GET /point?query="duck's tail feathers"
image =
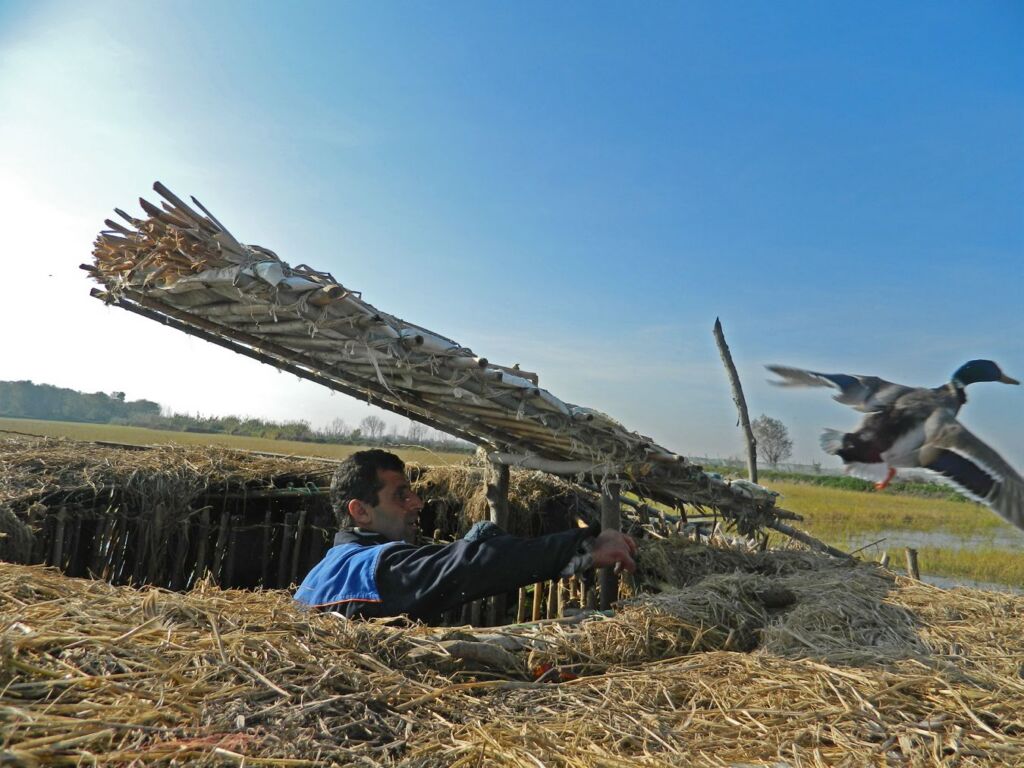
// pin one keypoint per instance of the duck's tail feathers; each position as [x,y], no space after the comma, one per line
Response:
[832,441]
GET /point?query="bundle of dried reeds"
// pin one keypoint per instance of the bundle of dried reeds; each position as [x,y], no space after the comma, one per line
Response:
[840,665]
[181,266]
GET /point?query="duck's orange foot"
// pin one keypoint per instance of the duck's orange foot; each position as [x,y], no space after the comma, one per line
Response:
[888,479]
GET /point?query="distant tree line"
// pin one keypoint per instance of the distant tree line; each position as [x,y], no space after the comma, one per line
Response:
[24,399]
[44,401]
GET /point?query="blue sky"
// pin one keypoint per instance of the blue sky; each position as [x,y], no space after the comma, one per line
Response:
[580,188]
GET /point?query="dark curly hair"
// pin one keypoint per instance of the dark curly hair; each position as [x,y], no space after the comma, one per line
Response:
[357,478]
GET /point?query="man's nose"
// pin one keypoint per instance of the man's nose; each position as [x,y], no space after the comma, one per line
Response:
[416,502]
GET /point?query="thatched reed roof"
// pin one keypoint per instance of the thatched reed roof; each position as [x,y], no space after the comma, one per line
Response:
[779,658]
[182,267]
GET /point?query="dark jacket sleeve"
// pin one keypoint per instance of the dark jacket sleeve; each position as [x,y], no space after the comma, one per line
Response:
[425,581]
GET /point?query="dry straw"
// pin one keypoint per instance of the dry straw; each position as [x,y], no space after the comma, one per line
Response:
[774,658]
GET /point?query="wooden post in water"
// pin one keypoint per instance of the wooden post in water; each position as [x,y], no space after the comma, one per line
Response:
[912,568]
[884,559]
[610,520]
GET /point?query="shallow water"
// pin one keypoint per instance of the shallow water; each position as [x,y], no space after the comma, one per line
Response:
[941,581]
[871,546]
[896,539]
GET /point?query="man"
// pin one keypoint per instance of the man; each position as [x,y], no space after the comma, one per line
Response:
[375,568]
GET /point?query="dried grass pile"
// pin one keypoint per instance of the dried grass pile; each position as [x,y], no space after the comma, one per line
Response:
[843,665]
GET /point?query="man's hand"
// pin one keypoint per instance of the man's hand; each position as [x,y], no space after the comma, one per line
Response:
[612,547]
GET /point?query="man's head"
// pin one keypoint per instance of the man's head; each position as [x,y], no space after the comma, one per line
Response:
[371,491]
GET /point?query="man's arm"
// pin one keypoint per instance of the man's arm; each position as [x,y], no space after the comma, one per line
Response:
[425,581]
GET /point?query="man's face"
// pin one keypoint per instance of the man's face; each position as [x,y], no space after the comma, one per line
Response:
[396,515]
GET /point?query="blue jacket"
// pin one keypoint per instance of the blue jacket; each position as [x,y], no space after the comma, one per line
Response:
[366,575]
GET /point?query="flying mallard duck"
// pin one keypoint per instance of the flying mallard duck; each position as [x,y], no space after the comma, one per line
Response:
[917,427]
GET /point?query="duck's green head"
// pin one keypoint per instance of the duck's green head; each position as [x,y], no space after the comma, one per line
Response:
[974,371]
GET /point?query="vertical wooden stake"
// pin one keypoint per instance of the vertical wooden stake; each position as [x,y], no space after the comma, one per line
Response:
[552,601]
[741,403]
[912,568]
[232,553]
[57,548]
[75,556]
[220,548]
[521,606]
[268,540]
[610,520]
[497,501]
[538,591]
[590,598]
[284,556]
[177,579]
[141,540]
[99,546]
[202,550]
[884,559]
[300,528]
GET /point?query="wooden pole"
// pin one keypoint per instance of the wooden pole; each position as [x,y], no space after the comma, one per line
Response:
[220,548]
[552,601]
[563,595]
[521,607]
[203,547]
[100,545]
[741,403]
[497,503]
[268,539]
[497,494]
[57,550]
[177,579]
[912,568]
[231,559]
[284,555]
[538,601]
[300,530]
[610,521]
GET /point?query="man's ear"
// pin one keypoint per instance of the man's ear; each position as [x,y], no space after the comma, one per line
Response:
[359,512]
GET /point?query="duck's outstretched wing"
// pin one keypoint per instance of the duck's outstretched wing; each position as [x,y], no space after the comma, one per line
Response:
[864,393]
[955,454]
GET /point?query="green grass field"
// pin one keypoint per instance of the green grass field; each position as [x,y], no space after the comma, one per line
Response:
[114,433]
[840,517]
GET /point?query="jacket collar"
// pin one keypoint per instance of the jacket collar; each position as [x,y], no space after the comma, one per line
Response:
[357,536]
